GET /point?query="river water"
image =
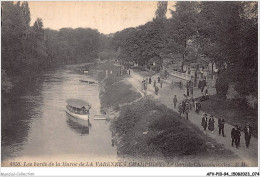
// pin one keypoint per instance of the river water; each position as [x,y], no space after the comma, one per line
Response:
[35,127]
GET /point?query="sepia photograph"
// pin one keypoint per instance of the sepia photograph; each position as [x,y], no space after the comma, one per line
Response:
[130,84]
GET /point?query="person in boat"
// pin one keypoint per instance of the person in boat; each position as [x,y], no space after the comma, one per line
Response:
[83,110]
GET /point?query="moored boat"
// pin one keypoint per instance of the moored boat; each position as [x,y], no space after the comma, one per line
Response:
[78,109]
[89,82]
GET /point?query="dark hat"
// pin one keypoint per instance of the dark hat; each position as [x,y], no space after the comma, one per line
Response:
[211,116]
[205,114]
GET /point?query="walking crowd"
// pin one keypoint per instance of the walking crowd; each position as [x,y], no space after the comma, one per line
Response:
[188,103]
[147,81]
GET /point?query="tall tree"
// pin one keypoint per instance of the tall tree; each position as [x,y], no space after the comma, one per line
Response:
[229,35]
[182,27]
[161,9]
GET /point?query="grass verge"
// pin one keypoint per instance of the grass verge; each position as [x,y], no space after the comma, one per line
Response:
[114,89]
[116,93]
[148,130]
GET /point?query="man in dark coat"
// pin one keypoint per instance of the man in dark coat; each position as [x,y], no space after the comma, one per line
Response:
[180,85]
[248,133]
[199,85]
[183,106]
[187,110]
[204,123]
[187,88]
[239,129]
[237,137]
[203,84]
[198,106]
[221,123]
[155,90]
[233,135]
[175,101]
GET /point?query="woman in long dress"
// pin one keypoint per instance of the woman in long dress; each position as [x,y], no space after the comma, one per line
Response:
[204,123]
[211,124]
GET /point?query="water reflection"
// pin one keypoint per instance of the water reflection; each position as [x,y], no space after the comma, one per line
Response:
[36,124]
[16,122]
[76,126]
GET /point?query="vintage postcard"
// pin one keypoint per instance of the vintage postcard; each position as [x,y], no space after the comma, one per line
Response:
[130,84]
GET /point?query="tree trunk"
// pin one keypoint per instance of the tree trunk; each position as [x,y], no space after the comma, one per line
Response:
[183,56]
[182,63]
[212,69]
[195,75]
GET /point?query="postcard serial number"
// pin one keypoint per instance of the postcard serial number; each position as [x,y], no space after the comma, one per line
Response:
[15,164]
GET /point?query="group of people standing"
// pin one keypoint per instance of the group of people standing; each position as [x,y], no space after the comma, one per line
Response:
[236,134]
[147,81]
[188,103]
[209,123]
[189,88]
[185,106]
[205,122]
[156,88]
[122,72]
[204,89]
[145,84]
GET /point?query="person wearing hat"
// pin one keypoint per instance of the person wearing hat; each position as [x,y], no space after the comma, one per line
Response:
[237,136]
[183,103]
[198,106]
[221,123]
[233,135]
[211,124]
[248,133]
[187,108]
[175,101]
[204,123]
[154,83]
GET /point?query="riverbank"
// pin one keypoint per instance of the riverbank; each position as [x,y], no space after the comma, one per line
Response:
[165,97]
[148,131]
[114,88]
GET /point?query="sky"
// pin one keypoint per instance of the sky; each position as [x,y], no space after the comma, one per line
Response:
[107,17]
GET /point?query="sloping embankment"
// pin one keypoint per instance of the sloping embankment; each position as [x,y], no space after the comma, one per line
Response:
[147,130]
